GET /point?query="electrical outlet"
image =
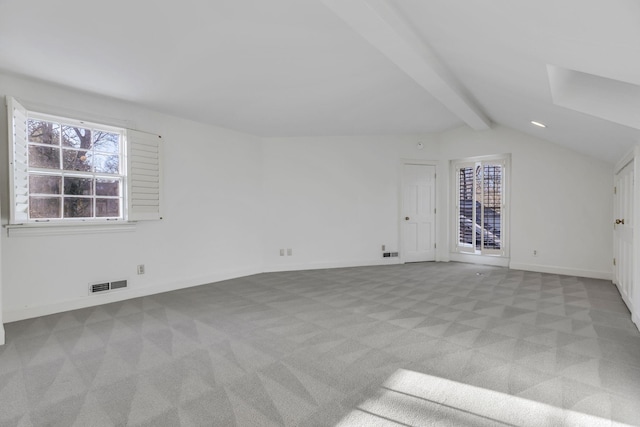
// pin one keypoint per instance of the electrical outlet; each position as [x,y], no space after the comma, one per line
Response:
[140,268]
[535,252]
[384,248]
[281,252]
[289,252]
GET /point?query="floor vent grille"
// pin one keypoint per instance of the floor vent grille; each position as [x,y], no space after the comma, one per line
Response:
[106,286]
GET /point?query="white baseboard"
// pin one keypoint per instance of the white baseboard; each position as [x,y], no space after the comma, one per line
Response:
[625,298]
[13,315]
[635,318]
[120,295]
[593,274]
[334,264]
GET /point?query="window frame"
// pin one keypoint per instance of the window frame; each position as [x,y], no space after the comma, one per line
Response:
[141,165]
[504,160]
[121,176]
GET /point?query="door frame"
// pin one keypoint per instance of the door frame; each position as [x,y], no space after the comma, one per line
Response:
[627,160]
[632,157]
[420,162]
[499,260]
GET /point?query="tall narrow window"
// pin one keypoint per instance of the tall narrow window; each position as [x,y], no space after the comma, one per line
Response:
[480,205]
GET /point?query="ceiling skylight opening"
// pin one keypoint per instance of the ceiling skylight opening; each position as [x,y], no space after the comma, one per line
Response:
[542,125]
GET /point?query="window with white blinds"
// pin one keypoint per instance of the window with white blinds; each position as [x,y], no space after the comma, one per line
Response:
[481,205]
[64,170]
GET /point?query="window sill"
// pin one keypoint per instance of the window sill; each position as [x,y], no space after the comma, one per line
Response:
[28,230]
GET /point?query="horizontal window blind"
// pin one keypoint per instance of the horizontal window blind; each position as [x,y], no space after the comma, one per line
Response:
[144,176]
[18,155]
[466,201]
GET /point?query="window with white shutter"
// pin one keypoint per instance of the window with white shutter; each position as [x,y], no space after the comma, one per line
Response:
[145,179]
[18,168]
[66,171]
[481,208]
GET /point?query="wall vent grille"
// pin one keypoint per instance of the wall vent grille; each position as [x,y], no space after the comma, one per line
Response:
[119,284]
[99,287]
[106,286]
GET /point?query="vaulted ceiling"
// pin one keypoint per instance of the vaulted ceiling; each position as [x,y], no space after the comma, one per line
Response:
[344,67]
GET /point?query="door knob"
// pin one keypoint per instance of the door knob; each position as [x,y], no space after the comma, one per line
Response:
[620,221]
[406,218]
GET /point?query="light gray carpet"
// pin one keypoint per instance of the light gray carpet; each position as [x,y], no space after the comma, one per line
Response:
[416,344]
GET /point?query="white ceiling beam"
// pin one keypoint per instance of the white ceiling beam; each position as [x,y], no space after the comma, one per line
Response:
[382,26]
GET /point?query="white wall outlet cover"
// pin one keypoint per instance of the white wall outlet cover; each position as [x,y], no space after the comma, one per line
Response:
[420,146]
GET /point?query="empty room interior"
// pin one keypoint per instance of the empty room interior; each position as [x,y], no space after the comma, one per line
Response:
[319,213]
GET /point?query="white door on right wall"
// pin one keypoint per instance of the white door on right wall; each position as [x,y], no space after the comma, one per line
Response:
[623,232]
[418,213]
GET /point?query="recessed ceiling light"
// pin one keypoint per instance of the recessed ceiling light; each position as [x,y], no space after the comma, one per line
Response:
[542,125]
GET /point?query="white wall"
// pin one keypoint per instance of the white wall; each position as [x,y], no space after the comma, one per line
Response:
[233,200]
[561,201]
[209,231]
[334,201]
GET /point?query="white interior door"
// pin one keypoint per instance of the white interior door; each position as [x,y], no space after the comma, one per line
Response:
[418,213]
[623,232]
